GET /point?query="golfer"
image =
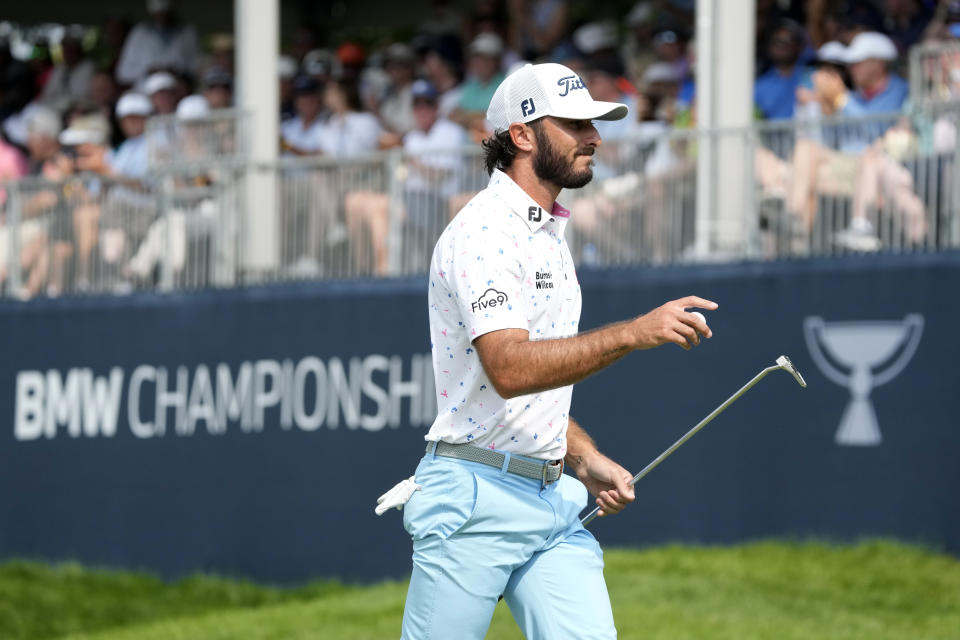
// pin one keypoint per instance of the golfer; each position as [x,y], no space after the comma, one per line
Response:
[493,513]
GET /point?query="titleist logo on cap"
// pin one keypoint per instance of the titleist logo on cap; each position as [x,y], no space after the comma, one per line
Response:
[570,83]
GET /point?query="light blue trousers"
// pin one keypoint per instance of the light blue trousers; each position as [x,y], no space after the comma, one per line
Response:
[479,532]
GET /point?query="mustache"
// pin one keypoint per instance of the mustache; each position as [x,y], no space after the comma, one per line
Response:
[587,151]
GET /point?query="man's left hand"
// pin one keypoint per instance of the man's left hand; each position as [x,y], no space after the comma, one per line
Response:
[607,481]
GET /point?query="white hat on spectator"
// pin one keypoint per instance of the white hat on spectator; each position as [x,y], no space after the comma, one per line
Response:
[660,72]
[133,104]
[595,36]
[318,62]
[43,121]
[870,45]
[400,53]
[193,107]
[159,81]
[640,13]
[486,44]
[549,89]
[286,67]
[91,129]
[15,126]
[833,52]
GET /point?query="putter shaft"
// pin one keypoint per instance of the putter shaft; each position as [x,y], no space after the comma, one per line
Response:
[689,434]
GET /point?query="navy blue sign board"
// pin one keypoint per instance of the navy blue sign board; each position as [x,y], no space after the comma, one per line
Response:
[249,432]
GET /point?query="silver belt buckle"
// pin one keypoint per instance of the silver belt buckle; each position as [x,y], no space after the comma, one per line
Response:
[546,467]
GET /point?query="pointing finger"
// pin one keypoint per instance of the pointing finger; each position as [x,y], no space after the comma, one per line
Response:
[699,303]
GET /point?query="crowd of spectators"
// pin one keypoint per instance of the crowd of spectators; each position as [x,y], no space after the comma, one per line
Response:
[79,103]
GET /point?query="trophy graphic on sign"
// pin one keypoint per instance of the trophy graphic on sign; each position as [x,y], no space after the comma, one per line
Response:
[873,353]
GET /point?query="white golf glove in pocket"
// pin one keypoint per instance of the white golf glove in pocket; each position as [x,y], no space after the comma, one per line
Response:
[398,496]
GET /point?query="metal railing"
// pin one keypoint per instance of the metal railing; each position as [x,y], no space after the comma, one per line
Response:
[880,182]
[813,188]
[934,72]
[640,206]
[175,142]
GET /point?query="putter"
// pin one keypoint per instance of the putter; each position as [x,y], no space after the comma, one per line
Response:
[783,362]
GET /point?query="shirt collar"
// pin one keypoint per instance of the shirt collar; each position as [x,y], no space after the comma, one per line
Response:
[522,204]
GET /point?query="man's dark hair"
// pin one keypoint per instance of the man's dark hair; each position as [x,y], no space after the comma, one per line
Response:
[793,28]
[499,150]
[351,93]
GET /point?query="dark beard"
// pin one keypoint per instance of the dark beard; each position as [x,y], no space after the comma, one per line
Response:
[551,166]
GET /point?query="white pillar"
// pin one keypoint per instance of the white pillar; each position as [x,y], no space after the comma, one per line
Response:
[724,101]
[257,96]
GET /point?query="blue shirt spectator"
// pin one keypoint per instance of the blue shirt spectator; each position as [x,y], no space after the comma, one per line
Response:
[483,78]
[688,91]
[130,158]
[774,92]
[877,90]
[887,100]
[854,139]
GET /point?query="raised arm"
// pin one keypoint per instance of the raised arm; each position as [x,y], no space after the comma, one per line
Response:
[517,365]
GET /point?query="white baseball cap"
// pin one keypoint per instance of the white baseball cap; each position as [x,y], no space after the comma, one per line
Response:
[89,129]
[594,36]
[486,44]
[868,45]
[640,14]
[158,81]
[43,121]
[537,90]
[133,104]
[661,72]
[833,52]
[193,107]
[286,67]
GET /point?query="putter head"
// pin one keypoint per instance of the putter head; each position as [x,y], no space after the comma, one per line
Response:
[784,363]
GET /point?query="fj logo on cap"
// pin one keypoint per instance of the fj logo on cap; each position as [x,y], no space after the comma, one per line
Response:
[527,107]
[570,83]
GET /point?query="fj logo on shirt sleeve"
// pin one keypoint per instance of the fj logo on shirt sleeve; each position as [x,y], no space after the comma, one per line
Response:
[490,298]
[534,214]
[527,107]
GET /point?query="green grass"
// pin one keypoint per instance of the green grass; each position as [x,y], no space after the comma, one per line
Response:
[775,590]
